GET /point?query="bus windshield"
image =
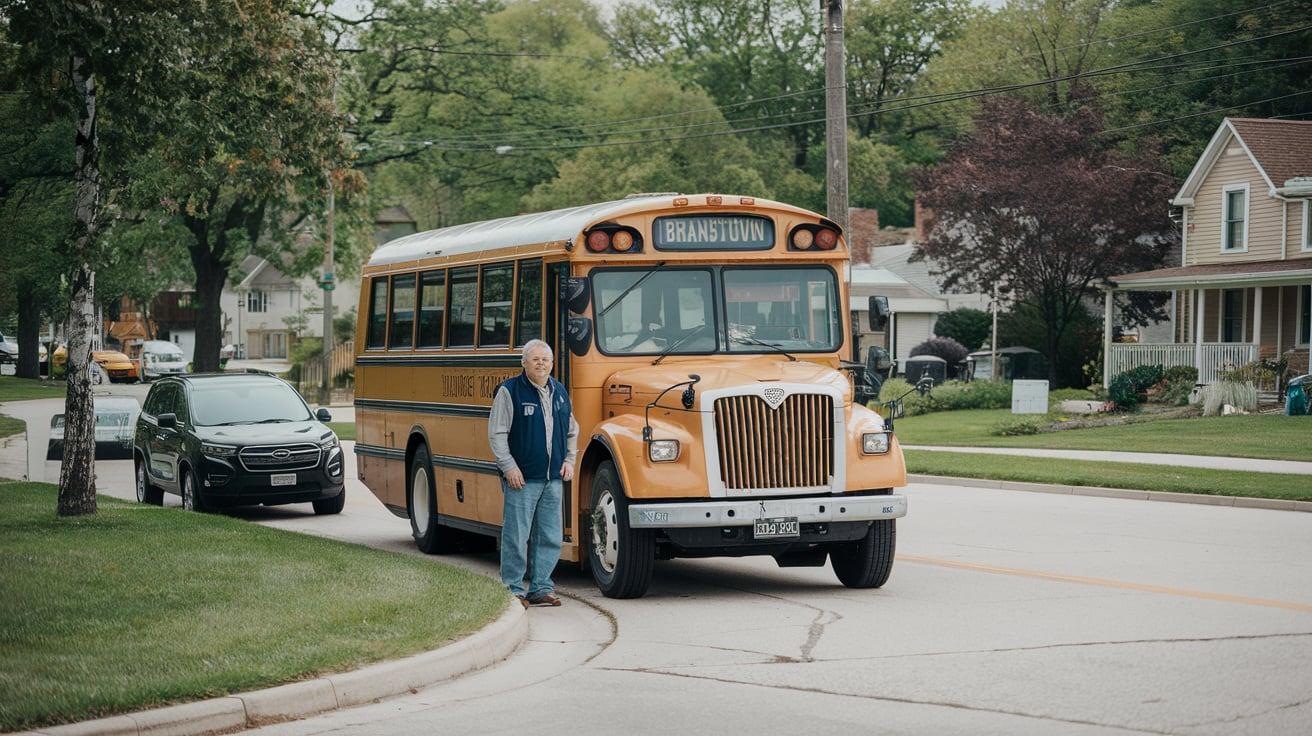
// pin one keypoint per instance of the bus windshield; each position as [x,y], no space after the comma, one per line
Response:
[642,311]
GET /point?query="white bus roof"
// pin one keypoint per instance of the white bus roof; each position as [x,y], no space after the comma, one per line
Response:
[543,227]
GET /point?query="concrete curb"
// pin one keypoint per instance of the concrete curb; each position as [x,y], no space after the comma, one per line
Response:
[482,649]
[1093,491]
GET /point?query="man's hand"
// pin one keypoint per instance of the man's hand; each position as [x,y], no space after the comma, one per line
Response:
[515,478]
[567,472]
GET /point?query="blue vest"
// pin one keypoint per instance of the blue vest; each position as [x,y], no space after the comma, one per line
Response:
[528,436]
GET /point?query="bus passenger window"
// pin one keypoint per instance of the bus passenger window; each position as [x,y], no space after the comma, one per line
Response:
[403,311]
[377,335]
[496,290]
[528,304]
[462,303]
[432,308]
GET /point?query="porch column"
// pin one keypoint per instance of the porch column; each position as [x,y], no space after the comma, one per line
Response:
[1106,337]
[1198,334]
[1257,321]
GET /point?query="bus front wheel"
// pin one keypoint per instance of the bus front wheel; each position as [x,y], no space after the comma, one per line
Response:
[867,562]
[431,537]
[621,558]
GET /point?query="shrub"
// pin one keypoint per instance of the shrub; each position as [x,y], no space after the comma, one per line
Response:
[1125,388]
[954,395]
[1177,373]
[942,347]
[1018,427]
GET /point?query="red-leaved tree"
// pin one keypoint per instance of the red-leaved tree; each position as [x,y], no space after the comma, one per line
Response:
[1045,207]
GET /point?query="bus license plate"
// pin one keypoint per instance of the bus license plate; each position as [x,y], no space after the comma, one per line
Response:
[776,528]
[283,479]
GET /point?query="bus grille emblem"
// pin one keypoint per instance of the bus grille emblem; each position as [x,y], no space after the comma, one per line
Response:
[774,397]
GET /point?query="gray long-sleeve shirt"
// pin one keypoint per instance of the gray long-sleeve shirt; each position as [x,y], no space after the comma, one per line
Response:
[503,415]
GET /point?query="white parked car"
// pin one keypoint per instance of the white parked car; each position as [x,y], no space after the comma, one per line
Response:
[161,358]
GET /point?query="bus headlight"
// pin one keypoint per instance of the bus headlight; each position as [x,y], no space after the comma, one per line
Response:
[874,443]
[663,451]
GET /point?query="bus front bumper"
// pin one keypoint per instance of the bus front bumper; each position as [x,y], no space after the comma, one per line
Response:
[739,512]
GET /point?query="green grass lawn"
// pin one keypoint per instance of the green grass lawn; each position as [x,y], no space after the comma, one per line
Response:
[1269,436]
[140,606]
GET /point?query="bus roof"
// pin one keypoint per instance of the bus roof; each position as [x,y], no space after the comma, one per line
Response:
[542,227]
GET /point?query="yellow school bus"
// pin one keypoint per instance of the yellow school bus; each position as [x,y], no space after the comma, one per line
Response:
[700,338]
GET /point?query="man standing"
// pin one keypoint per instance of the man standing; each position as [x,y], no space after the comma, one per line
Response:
[535,440]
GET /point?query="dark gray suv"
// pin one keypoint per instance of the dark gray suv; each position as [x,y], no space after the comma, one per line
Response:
[235,439]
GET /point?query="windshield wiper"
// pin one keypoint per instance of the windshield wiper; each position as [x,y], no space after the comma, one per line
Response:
[688,335]
[743,339]
[632,286]
[275,420]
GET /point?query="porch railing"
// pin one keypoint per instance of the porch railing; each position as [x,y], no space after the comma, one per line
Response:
[1216,357]
[341,360]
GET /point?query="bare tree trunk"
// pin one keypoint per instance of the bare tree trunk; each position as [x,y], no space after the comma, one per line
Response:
[77,474]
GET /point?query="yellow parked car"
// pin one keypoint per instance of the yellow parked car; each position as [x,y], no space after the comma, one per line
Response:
[117,367]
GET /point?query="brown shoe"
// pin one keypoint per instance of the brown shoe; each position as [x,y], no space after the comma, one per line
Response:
[546,599]
[522,600]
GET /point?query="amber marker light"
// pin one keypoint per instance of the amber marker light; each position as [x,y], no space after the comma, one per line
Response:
[622,240]
[803,238]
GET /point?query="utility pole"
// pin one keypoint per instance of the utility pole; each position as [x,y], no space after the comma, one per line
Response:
[836,113]
[326,382]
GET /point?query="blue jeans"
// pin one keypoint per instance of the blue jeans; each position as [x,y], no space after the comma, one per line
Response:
[530,536]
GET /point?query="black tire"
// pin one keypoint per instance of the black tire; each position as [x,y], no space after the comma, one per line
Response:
[332,505]
[146,493]
[193,499]
[621,558]
[867,562]
[430,537]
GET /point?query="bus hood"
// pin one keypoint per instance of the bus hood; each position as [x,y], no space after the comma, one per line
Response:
[641,385]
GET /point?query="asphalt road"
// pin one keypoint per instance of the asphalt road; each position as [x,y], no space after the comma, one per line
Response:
[1008,612]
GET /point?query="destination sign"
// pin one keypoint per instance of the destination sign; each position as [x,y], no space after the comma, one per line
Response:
[713,232]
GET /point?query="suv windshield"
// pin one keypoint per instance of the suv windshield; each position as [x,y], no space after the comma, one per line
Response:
[753,310]
[246,402]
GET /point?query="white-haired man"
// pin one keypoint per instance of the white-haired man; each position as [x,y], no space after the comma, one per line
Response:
[535,440]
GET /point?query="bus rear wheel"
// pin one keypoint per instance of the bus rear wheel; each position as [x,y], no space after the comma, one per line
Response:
[621,558]
[430,537]
[867,562]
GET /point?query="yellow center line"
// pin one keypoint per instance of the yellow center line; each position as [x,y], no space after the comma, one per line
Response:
[1306,608]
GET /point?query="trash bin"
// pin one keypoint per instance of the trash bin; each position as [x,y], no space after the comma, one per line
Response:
[1296,395]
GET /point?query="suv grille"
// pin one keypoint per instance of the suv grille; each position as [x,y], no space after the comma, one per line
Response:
[788,447]
[277,458]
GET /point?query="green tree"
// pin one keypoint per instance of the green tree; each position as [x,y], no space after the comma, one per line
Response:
[240,156]
[1209,58]
[970,327]
[36,206]
[762,61]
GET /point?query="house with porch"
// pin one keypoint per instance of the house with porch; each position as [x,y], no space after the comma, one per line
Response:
[1241,291]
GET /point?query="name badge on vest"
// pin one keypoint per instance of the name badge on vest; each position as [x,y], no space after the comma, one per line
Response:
[529,410]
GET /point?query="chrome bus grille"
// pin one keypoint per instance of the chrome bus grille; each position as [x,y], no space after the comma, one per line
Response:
[280,458]
[788,447]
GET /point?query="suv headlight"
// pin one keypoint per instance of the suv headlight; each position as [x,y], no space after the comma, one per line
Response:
[213,450]
[875,443]
[663,451]
[328,443]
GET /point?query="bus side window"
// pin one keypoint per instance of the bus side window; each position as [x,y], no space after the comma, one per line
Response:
[403,311]
[528,303]
[496,289]
[432,308]
[462,303]
[377,336]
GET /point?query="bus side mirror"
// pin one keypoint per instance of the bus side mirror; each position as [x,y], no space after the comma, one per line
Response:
[575,294]
[578,335]
[878,312]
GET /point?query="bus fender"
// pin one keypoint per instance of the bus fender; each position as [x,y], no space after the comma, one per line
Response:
[620,440]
